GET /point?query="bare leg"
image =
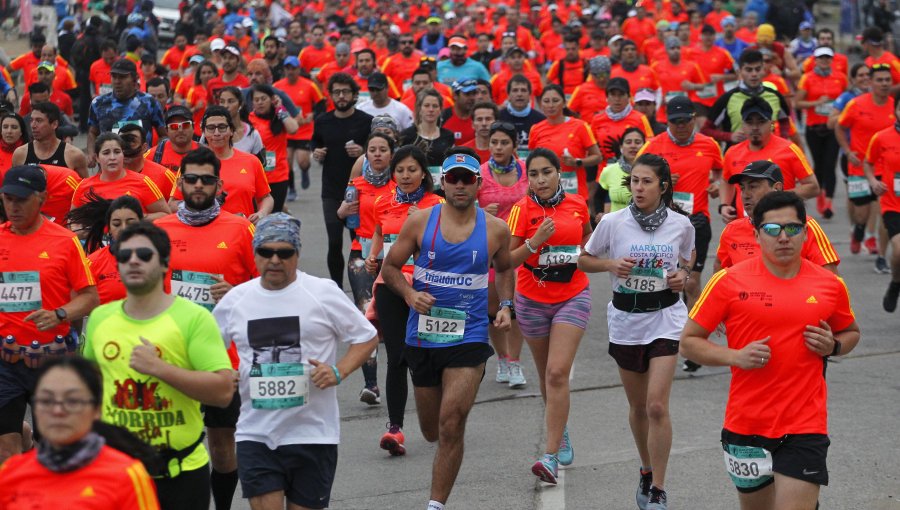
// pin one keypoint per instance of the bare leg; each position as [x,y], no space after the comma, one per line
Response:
[659,438]
[763,499]
[540,347]
[428,408]
[794,494]
[563,344]
[635,385]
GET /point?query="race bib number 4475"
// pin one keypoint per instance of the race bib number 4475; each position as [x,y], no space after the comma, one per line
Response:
[194,286]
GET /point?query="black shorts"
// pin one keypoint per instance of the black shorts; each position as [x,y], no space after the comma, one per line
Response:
[590,173]
[427,364]
[223,417]
[300,144]
[187,491]
[800,456]
[16,388]
[891,222]
[636,358]
[868,199]
[702,238]
[305,472]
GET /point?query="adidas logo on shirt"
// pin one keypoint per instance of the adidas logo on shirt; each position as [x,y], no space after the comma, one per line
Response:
[88,492]
[222,246]
[43,255]
[812,300]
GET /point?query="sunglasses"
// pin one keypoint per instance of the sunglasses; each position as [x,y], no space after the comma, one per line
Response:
[881,67]
[775,229]
[283,253]
[206,179]
[406,43]
[221,128]
[175,126]
[466,178]
[123,255]
[508,126]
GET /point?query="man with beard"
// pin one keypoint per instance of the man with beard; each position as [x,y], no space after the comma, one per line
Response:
[459,66]
[338,139]
[639,76]
[400,66]
[447,369]
[47,73]
[212,252]
[271,47]
[315,56]
[434,39]
[161,356]
[458,118]
[231,74]
[46,148]
[135,147]
[365,67]
[169,151]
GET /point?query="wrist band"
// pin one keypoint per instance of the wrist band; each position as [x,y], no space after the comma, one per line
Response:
[528,245]
[337,373]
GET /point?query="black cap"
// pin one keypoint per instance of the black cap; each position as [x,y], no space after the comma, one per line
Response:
[24,180]
[708,29]
[377,81]
[178,111]
[758,106]
[762,169]
[38,38]
[515,49]
[618,84]
[680,107]
[123,66]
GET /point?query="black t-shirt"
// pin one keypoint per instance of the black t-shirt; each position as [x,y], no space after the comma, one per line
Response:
[333,134]
[434,149]
[523,124]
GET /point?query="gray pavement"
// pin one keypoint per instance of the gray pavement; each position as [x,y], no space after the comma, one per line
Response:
[505,428]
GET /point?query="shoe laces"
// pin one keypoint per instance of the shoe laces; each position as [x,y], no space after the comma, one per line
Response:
[393,429]
[646,480]
[657,495]
[515,369]
[564,441]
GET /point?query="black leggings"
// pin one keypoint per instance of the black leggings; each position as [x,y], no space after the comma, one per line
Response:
[361,285]
[334,227]
[279,194]
[392,316]
[824,149]
[187,491]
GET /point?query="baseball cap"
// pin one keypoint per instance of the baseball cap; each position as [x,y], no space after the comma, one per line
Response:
[662,25]
[615,38]
[291,61]
[728,20]
[756,105]
[458,41]
[23,180]
[47,65]
[233,49]
[178,111]
[434,20]
[765,32]
[823,51]
[247,23]
[196,59]
[377,81]
[805,25]
[123,66]
[645,95]
[464,86]
[618,83]
[708,29]
[762,169]
[515,49]
[680,107]
[217,44]
[673,42]
[463,161]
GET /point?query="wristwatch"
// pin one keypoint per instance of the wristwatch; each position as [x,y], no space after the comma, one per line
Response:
[579,163]
[507,303]
[61,314]
[837,349]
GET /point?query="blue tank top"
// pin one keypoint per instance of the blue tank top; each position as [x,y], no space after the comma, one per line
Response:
[432,49]
[457,276]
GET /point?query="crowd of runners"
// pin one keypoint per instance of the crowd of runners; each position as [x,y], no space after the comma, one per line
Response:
[481,159]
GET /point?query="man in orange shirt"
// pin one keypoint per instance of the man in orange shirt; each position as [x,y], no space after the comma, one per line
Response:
[340,64]
[784,316]
[840,64]
[570,71]
[317,54]
[422,79]
[169,151]
[658,42]
[101,70]
[696,165]
[609,124]
[884,153]
[231,72]
[717,65]
[677,77]
[589,98]
[873,43]
[639,76]
[639,27]
[400,66]
[365,67]
[307,97]
[596,46]
[46,73]
[135,147]
[173,56]
[29,60]
[515,64]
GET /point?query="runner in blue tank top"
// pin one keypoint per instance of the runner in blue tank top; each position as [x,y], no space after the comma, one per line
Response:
[447,331]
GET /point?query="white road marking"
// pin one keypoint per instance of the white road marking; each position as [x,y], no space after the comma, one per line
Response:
[553,497]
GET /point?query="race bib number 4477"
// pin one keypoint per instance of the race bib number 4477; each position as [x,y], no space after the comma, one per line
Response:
[20,291]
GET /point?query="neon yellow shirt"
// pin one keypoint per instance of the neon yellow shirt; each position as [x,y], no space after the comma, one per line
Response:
[186,336]
[612,179]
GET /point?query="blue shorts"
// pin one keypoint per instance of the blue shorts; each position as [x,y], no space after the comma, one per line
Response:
[16,388]
[305,472]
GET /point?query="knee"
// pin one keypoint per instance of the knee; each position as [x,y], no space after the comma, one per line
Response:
[657,410]
[557,377]
[452,427]
[430,435]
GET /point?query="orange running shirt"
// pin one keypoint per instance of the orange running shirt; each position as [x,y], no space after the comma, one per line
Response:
[400,69]
[587,100]
[864,118]
[106,273]
[276,150]
[305,94]
[41,270]
[368,194]
[160,175]
[608,132]
[788,395]
[169,159]
[573,134]
[134,184]
[839,64]
[570,217]
[501,79]
[641,78]
[312,59]
[572,74]
[390,215]
[890,59]
[101,77]
[692,164]
[884,153]
[715,61]
[671,76]
[61,185]
[818,86]
[738,243]
[243,181]
[784,153]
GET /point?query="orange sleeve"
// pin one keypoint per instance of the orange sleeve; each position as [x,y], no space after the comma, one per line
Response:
[873,151]
[843,315]
[718,162]
[155,192]
[803,168]
[517,224]
[709,310]
[587,135]
[722,252]
[645,125]
[142,493]
[79,269]
[803,83]
[848,116]
[818,248]
[262,184]
[552,71]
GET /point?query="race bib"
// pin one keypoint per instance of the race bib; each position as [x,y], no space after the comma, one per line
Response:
[858,187]
[389,240]
[20,291]
[896,185]
[708,91]
[279,385]
[559,255]
[122,123]
[442,326]
[363,96]
[194,286]
[748,466]
[407,84]
[684,200]
[824,108]
[569,182]
[270,161]
[366,244]
[728,85]
[644,279]
[105,88]
[523,154]
[673,94]
[315,72]
[435,172]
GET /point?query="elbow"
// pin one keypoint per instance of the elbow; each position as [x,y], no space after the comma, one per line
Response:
[225,390]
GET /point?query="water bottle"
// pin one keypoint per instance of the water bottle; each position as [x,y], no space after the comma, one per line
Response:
[72,343]
[57,347]
[12,351]
[33,354]
[350,196]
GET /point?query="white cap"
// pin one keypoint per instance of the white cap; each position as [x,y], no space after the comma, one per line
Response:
[450,15]
[823,51]
[615,38]
[247,22]
[217,44]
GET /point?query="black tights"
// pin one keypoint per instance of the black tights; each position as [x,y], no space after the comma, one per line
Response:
[824,149]
[392,315]
[334,227]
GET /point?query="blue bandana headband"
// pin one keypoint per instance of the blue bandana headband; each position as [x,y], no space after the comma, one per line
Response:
[277,228]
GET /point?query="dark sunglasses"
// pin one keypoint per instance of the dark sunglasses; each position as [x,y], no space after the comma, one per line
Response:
[123,255]
[508,126]
[206,179]
[466,178]
[283,253]
[404,43]
[774,229]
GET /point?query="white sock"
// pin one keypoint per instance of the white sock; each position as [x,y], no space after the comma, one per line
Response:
[434,505]
[870,235]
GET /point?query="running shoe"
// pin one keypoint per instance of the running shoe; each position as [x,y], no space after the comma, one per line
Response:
[881,266]
[547,468]
[890,297]
[304,179]
[871,246]
[690,367]
[502,370]
[292,195]
[828,211]
[657,499]
[516,378]
[371,396]
[820,202]
[856,237]
[565,455]
[643,489]
[392,441]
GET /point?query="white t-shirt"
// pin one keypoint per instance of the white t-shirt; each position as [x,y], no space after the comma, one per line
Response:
[619,235]
[397,110]
[305,320]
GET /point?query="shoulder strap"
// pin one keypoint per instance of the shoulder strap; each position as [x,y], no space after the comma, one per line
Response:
[160,148]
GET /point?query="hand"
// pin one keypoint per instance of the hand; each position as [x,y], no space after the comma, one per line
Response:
[412,209]
[372,265]
[754,355]
[878,187]
[547,228]
[819,340]
[677,280]
[720,330]
[675,178]
[354,150]
[322,374]
[91,160]
[598,217]
[319,153]
[713,190]
[687,85]
[568,160]
[492,209]
[348,209]
[44,320]
[823,100]
[738,136]
[728,214]
[854,159]
[276,102]
[622,267]
[503,320]
[220,288]
[421,302]
[255,217]
[145,357]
